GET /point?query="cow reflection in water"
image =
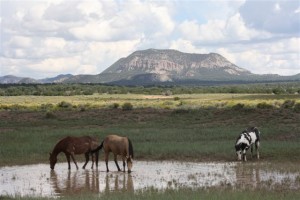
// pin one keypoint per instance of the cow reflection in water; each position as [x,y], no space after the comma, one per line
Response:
[247,176]
[118,182]
[75,183]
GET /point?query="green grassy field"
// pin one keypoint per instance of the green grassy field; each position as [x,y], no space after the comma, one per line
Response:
[213,193]
[194,132]
[184,127]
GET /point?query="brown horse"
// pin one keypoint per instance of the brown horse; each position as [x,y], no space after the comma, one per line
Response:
[118,146]
[75,145]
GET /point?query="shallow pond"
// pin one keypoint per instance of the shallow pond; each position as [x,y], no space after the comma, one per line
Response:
[38,180]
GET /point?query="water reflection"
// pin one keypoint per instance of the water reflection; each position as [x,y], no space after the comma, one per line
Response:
[36,180]
[257,176]
[247,176]
[89,181]
[118,182]
[75,182]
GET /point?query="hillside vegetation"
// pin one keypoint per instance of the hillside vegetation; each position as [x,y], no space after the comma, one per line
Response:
[90,89]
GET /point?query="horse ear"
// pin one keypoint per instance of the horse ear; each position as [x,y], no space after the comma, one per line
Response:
[50,153]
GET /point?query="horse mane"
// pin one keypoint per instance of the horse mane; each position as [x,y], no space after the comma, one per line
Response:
[130,148]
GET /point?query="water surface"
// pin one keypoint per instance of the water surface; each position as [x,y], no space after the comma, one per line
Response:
[39,181]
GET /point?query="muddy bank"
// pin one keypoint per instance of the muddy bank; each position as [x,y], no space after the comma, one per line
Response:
[40,181]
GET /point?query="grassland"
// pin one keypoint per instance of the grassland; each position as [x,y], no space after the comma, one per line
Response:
[199,127]
[213,193]
[185,127]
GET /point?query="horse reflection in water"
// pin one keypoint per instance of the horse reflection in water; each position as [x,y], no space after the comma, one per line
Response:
[75,183]
[118,182]
[89,181]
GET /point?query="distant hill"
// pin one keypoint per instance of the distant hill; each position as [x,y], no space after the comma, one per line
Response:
[153,66]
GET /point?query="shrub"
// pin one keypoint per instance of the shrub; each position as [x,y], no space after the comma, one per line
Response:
[127,106]
[115,105]
[238,106]
[64,104]
[288,104]
[50,115]
[47,106]
[297,107]
[176,98]
[264,105]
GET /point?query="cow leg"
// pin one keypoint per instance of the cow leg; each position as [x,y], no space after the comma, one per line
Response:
[116,161]
[257,149]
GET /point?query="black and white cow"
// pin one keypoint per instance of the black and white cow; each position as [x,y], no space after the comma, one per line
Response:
[245,140]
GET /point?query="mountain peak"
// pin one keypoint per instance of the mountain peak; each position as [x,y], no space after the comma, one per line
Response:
[173,65]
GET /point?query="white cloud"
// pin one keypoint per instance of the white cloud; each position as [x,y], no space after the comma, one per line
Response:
[87,36]
[272,16]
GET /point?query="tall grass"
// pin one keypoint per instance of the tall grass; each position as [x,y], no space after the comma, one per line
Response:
[200,135]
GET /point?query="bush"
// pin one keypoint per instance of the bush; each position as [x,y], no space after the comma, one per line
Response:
[176,98]
[297,107]
[115,105]
[264,105]
[238,106]
[50,115]
[127,106]
[64,104]
[288,104]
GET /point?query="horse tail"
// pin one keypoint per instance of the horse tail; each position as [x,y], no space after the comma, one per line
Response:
[98,148]
[130,148]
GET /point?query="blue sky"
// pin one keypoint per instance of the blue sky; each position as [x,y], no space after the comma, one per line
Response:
[42,38]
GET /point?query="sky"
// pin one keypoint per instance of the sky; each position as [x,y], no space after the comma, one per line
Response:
[45,38]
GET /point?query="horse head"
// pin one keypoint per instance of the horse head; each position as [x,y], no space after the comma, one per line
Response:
[129,163]
[53,160]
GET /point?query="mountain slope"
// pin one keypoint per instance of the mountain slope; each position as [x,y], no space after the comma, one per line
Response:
[153,66]
[172,65]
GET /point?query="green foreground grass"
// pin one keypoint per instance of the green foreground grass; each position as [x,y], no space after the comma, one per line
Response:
[206,134]
[212,193]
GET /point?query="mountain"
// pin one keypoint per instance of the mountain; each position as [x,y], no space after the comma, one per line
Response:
[58,79]
[173,66]
[155,67]
[10,79]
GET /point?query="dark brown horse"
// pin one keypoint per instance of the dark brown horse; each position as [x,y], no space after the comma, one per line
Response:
[118,146]
[71,146]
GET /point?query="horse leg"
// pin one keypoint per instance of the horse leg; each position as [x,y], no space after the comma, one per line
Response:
[116,161]
[68,159]
[73,158]
[93,160]
[87,157]
[97,157]
[106,161]
[123,164]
